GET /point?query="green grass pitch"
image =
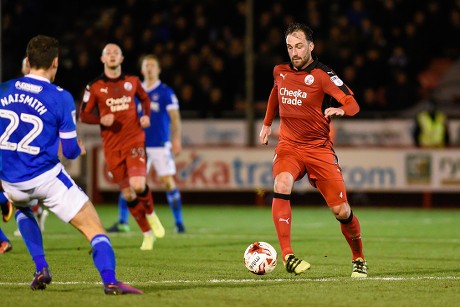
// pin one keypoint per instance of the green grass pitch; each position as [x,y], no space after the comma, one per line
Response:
[413,257]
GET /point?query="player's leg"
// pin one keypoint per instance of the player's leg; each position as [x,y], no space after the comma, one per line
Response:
[174,201]
[284,166]
[123,213]
[40,214]
[120,167]
[123,216]
[144,195]
[118,170]
[325,168]
[71,205]
[5,244]
[32,237]
[282,218]
[137,210]
[137,173]
[88,223]
[335,195]
[162,159]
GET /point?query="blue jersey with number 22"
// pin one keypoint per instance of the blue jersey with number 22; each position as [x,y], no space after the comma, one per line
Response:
[34,116]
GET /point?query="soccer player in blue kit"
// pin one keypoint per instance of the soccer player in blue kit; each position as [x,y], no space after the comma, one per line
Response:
[35,116]
[162,142]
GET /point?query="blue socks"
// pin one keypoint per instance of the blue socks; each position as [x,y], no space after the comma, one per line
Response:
[3,237]
[175,203]
[103,254]
[32,236]
[123,212]
[104,258]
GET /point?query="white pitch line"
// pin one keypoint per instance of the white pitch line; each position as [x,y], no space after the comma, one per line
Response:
[237,281]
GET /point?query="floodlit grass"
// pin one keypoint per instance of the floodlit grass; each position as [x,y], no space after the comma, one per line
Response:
[413,257]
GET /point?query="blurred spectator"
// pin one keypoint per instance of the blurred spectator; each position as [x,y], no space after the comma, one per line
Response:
[208,37]
[400,91]
[357,12]
[398,58]
[188,97]
[371,100]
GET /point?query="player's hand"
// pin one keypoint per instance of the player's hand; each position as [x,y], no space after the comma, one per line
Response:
[82,147]
[264,133]
[176,146]
[145,121]
[334,112]
[107,120]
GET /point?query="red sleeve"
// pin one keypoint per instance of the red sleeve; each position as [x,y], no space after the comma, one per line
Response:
[87,106]
[143,97]
[273,105]
[349,105]
[341,92]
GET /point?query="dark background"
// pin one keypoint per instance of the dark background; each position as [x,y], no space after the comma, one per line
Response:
[387,51]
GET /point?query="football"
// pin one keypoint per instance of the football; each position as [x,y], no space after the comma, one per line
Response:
[260,258]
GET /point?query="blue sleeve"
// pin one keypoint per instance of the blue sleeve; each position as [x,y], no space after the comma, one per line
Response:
[70,148]
[171,97]
[68,127]
[68,121]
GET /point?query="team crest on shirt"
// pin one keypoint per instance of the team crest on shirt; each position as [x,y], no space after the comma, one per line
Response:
[336,80]
[309,80]
[128,86]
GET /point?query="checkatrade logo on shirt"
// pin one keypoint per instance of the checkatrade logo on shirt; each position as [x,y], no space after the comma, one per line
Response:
[292,97]
[118,104]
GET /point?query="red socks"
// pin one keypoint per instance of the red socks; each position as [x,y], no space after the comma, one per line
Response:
[352,233]
[146,199]
[137,210]
[282,216]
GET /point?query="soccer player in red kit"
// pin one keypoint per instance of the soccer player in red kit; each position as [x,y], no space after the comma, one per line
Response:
[301,96]
[112,96]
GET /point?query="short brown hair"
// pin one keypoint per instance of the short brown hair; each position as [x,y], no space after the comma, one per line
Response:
[297,26]
[42,50]
[149,56]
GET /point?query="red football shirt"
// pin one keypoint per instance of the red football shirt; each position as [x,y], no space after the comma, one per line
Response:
[116,96]
[300,97]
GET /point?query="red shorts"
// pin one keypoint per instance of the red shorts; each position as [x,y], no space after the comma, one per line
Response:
[319,164]
[125,163]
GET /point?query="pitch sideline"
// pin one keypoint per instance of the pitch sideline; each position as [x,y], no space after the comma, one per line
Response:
[236,281]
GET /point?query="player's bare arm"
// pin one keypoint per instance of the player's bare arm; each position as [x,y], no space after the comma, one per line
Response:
[264,134]
[176,131]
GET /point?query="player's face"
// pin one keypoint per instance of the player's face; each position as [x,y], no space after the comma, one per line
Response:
[299,49]
[150,69]
[112,57]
